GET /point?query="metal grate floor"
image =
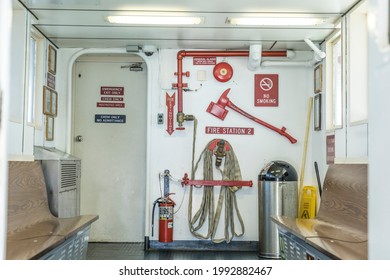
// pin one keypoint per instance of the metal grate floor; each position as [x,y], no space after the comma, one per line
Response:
[135,251]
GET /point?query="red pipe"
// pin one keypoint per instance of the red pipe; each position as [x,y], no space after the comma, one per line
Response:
[183,53]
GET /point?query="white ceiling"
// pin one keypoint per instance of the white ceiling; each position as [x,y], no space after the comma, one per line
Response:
[81,23]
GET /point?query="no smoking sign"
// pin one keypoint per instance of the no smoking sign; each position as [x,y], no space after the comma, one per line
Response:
[266,90]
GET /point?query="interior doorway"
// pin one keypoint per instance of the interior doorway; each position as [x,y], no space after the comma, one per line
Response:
[109,132]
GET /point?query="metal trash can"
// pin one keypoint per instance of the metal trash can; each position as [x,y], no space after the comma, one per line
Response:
[278,196]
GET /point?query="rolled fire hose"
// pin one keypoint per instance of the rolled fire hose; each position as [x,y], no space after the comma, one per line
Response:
[231,171]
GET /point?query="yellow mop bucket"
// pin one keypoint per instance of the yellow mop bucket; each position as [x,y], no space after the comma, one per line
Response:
[307,208]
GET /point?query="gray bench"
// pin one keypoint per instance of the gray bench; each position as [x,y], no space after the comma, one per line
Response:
[339,231]
[32,231]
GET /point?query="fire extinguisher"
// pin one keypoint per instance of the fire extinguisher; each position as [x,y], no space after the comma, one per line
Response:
[165,225]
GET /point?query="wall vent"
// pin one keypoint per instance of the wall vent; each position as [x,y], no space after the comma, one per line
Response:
[68,175]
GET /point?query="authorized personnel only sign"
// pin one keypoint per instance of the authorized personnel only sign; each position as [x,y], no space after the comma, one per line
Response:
[267,90]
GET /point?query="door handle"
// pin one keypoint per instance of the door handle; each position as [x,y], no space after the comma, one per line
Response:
[79,138]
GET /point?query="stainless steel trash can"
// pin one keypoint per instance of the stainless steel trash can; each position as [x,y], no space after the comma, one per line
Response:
[278,196]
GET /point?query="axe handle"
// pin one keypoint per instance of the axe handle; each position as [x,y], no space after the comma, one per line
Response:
[281,131]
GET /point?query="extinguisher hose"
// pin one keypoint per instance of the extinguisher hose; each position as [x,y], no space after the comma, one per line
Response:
[154,207]
[158,200]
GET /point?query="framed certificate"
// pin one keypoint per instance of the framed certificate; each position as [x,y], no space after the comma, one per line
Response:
[318,78]
[50,102]
[317,112]
[54,103]
[49,128]
[46,101]
[52,60]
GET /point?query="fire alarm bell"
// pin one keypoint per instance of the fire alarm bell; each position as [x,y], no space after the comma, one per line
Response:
[223,72]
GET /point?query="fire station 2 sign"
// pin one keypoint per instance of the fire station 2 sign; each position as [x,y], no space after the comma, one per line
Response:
[266,90]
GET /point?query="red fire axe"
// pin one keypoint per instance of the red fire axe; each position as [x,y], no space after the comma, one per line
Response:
[219,110]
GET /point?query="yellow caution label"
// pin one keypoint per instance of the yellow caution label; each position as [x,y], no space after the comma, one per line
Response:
[305,215]
[307,209]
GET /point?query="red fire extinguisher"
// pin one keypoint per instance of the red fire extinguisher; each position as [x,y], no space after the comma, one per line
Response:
[165,225]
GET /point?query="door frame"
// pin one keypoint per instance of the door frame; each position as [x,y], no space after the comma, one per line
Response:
[70,111]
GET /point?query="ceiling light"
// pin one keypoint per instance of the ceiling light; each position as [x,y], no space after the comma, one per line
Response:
[155,20]
[276,21]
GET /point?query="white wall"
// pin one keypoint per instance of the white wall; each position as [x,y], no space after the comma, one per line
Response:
[5,49]
[64,117]
[352,138]
[16,114]
[379,134]
[173,152]
[64,131]
[23,136]
[253,152]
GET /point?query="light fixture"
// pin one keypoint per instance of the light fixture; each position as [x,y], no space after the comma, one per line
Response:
[155,20]
[277,21]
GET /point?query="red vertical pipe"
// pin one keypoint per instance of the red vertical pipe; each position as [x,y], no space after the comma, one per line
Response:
[180,57]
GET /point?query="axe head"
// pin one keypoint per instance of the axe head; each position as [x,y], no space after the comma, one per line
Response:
[218,109]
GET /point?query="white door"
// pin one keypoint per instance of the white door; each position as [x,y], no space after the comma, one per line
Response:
[111,142]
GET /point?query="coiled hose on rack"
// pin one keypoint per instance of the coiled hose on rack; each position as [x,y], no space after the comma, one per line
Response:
[227,196]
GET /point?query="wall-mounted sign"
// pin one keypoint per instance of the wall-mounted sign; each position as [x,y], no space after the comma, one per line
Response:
[205,60]
[229,130]
[51,80]
[267,90]
[112,90]
[110,118]
[111,98]
[330,149]
[170,103]
[110,105]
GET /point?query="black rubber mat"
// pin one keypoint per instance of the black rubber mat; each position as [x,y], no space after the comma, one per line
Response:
[135,251]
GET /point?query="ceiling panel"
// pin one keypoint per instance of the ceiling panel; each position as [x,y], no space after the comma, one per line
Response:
[74,23]
[93,17]
[184,33]
[165,44]
[328,6]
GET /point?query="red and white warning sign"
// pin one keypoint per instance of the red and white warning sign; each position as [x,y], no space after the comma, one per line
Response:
[112,97]
[267,90]
[110,105]
[112,90]
[205,60]
[170,102]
